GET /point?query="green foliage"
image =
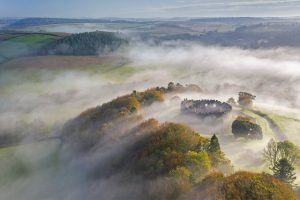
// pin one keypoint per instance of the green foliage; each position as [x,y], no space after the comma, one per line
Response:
[214,145]
[174,147]
[90,43]
[23,45]
[171,146]
[281,158]
[284,171]
[180,172]
[218,159]
[246,129]
[199,163]
[149,96]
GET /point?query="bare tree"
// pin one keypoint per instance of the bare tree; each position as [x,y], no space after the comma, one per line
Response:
[276,151]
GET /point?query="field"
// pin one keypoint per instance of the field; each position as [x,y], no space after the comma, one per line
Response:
[23,45]
[53,82]
[288,122]
[17,161]
[85,27]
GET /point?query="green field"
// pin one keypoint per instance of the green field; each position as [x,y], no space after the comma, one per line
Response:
[288,122]
[21,160]
[22,45]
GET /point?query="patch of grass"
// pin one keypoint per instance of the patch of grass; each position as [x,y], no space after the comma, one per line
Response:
[289,125]
[114,72]
[267,131]
[122,26]
[33,38]
[21,160]
[23,45]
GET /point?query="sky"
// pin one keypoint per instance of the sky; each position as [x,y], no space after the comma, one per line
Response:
[148,8]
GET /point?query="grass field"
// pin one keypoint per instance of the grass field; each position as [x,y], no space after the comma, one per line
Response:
[21,160]
[33,38]
[287,121]
[55,88]
[23,45]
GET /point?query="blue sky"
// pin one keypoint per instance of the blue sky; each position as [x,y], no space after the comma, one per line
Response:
[147,8]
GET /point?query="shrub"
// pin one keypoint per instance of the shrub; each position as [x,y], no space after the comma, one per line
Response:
[246,129]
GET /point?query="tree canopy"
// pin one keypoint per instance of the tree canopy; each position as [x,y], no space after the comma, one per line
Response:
[284,171]
[242,127]
[90,43]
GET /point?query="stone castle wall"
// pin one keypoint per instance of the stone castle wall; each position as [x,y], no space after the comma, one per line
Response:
[205,108]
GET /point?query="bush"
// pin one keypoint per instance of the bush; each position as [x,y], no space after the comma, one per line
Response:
[246,129]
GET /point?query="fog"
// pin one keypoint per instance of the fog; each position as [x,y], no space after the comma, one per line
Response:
[273,75]
[50,97]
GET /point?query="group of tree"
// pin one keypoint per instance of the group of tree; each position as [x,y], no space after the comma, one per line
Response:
[281,158]
[245,128]
[182,155]
[89,43]
[246,99]
[114,115]
[172,87]
[170,154]
[241,186]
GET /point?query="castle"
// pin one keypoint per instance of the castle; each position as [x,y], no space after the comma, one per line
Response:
[205,108]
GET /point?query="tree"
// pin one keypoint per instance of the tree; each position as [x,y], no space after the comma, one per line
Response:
[218,158]
[284,171]
[244,128]
[171,86]
[214,145]
[278,150]
[271,154]
[231,101]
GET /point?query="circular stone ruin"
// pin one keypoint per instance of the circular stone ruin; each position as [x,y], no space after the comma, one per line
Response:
[205,108]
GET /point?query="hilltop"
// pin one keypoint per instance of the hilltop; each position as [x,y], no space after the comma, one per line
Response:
[173,154]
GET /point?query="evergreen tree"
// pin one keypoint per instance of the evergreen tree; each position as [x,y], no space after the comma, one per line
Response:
[284,171]
[214,145]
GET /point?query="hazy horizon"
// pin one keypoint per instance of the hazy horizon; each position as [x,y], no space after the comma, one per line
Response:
[146,9]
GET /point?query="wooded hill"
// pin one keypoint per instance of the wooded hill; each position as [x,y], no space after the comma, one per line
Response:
[89,43]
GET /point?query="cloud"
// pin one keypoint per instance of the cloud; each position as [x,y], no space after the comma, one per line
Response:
[217,8]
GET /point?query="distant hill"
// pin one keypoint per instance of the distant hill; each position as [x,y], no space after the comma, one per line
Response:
[46,21]
[90,43]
